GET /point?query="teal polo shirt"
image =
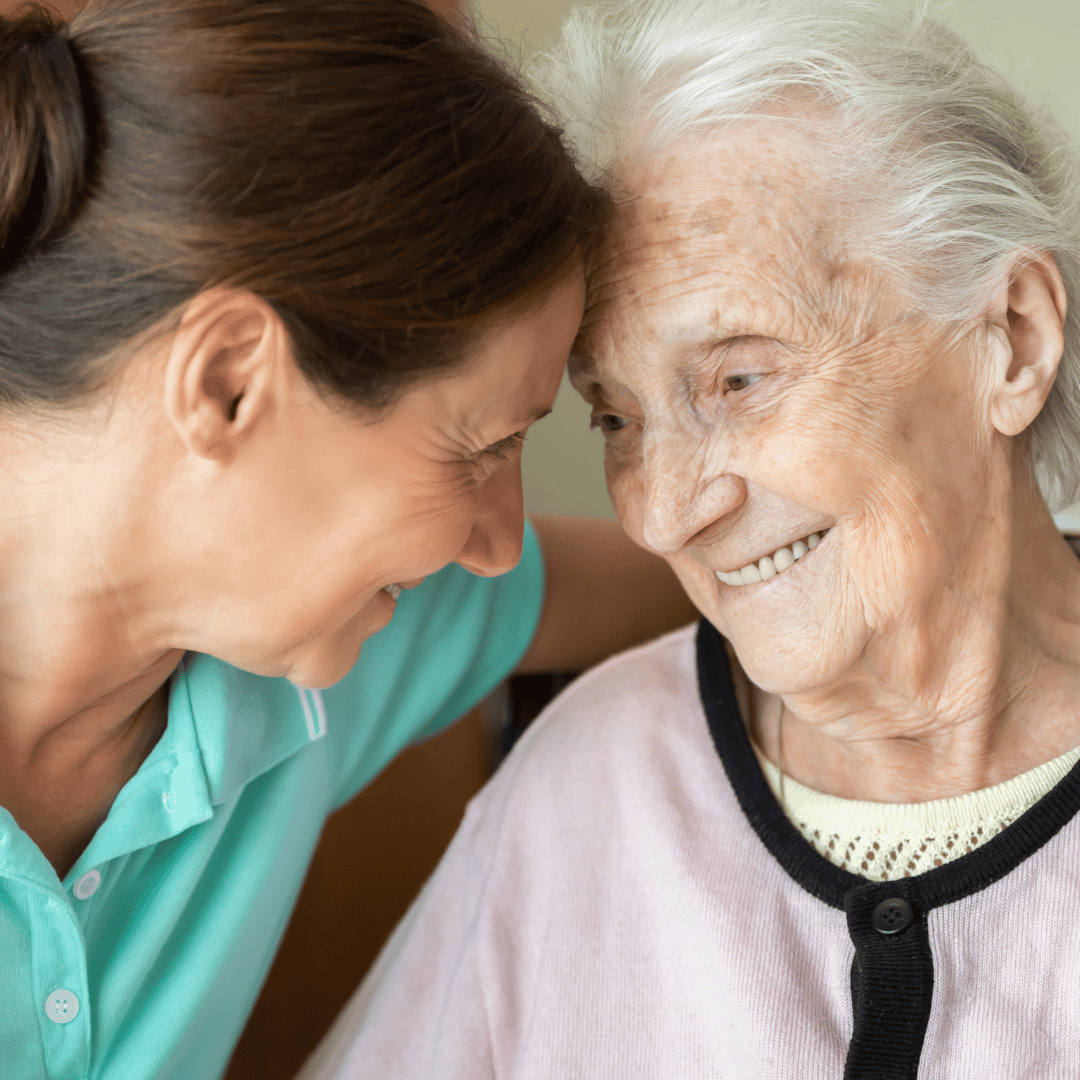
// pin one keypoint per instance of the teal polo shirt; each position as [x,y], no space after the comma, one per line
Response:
[144,963]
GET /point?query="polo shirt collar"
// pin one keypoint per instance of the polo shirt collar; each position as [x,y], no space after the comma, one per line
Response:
[225,727]
[167,795]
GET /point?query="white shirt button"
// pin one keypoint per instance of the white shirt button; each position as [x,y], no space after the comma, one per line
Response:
[87,885]
[61,1006]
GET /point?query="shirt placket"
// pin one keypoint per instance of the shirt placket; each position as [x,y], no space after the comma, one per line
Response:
[61,990]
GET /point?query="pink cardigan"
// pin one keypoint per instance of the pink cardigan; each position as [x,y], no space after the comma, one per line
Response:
[626,900]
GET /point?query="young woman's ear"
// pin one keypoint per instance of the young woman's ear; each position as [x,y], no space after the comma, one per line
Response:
[225,366]
[1029,309]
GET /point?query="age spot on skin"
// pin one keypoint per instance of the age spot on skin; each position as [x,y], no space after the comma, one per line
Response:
[712,217]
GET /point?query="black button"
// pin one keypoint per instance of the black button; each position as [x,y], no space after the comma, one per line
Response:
[892,916]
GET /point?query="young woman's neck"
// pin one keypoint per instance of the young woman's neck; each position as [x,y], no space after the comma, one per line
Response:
[81,649]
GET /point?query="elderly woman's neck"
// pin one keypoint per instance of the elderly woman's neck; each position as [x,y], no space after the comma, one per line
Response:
[965,699]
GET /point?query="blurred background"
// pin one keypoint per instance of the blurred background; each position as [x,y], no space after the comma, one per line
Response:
[376,852]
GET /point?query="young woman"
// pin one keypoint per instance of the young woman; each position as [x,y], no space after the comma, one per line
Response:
[281,288]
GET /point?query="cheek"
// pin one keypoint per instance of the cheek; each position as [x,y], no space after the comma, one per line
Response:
[831,450]
[627,491]
[895,559]
[698,581]
[413,533]
[435,534]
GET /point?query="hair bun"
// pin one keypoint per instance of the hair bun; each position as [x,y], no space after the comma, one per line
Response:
[44,131]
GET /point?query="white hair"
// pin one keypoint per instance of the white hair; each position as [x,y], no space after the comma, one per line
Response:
[965,173]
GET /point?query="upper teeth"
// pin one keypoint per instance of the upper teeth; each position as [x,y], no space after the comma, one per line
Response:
[394,590]
[772,564]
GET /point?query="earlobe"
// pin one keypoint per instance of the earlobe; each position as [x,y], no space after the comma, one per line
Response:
[220,370]
[1028,314]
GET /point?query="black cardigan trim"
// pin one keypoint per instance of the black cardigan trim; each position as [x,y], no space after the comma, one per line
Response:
[892,975]
[963,877]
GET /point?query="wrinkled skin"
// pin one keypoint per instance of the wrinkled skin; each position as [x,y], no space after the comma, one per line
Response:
[756,382]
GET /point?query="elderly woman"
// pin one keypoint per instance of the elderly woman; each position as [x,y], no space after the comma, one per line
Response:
[833,348]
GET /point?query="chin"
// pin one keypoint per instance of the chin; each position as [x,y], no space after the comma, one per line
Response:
[321,672]
[794,659]
[790,651]
[327,658]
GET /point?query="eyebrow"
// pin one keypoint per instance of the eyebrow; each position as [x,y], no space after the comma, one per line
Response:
[586,366]
[530,418]
[711,338]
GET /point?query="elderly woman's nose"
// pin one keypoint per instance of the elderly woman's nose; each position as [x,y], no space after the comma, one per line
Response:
[683,496]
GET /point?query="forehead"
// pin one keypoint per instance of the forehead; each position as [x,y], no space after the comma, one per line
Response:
[723,236]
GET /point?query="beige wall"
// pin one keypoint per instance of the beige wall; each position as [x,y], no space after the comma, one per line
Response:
[1034,42]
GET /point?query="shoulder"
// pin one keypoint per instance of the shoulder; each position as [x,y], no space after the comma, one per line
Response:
[631,725]
[628,692]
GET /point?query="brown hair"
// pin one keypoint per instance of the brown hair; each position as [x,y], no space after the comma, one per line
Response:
[363,165]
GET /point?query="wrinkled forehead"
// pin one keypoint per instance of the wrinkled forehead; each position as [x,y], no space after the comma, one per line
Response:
[736,233]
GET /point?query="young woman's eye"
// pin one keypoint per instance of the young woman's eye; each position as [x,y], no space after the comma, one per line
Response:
[607,422]
[739,382]
[505,447]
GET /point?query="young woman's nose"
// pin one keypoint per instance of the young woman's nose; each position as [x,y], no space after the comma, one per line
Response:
[494,544]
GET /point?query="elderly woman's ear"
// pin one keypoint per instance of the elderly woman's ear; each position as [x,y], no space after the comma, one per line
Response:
[1026,319]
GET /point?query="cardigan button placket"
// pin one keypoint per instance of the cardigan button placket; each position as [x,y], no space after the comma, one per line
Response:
[892,982]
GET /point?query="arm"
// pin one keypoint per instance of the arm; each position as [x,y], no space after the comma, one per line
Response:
[602,594]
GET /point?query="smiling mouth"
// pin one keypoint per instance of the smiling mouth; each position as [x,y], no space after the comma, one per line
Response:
[768,567]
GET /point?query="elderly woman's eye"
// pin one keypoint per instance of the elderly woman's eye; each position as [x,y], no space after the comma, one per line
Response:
[607,422]
[739,382]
